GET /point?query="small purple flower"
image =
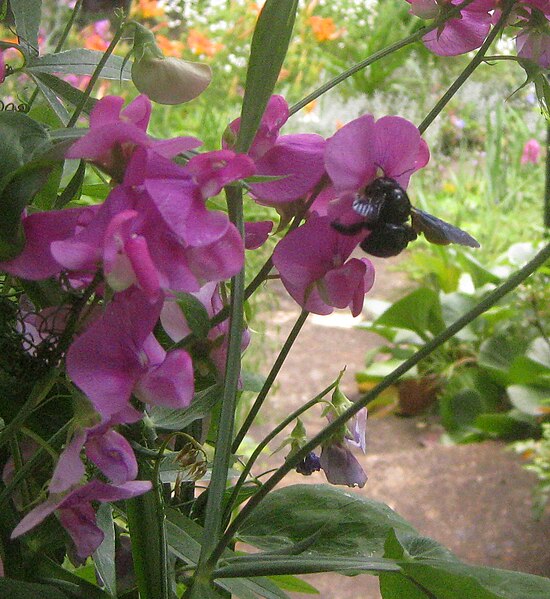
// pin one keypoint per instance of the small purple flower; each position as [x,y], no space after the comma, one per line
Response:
[337,461]
[531,152]
[76,513]
[309,464]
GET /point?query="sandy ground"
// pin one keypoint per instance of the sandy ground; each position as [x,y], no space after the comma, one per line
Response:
[474,499]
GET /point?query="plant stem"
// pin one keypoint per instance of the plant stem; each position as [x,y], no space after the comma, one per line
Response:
[269,437]
[547,184]
[96,74]
[220,467]
[513,281]
[270,380]
[472,66]
[414,37]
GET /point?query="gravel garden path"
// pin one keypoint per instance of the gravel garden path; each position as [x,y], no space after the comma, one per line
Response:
[474,499]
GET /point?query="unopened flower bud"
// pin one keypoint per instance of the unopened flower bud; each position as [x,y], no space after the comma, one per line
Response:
[166,80]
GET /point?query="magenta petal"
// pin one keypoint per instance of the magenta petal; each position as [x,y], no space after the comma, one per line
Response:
[106,110]
[98,142]
[69,469]
[35,516]
[256,234]
[342,284]
[112,454]
[143,266]
[138,111]
[459,35]
[396,147]
[348,157]
[299,160]
[172,147]
[36,261]
[219,260]
[105,362]
[274,117]
[80,522]
[170,384]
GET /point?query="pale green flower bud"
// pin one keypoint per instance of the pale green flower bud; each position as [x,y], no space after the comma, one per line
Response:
[166,80]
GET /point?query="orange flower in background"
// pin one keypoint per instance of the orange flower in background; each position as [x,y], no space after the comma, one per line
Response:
[200,44]
[95,42]
[324,28]
[170,47]
[147,9]
[309,108]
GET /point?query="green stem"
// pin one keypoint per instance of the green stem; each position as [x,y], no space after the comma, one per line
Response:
[472,66]
[414,37]
[277,365]
[547,184]
[260,447]
[220,467]
[516,279]
[95,76]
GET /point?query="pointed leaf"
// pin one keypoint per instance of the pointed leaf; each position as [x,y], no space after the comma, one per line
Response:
[64,90]
[195,314]
[80,61]
[18,589]
[27,15]
[267,53]
[175,420]
[337,522]
[104,556]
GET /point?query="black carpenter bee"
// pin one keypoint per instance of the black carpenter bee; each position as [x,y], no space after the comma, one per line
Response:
[386,208]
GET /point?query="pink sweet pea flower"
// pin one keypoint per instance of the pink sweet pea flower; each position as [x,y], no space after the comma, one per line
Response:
[312,263]
[115,133]
[117,355]
[76,513]
[460,34]
[297,159]
[364,150]
[36,261]
[531,152]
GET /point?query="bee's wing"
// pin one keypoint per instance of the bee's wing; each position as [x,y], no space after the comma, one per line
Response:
[438,231]
[369,209]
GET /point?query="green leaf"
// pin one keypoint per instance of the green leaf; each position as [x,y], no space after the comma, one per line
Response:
[19,137]
[80,61]
[64,90]
[292,584]
[17,191]
[27,15]
[419,311]
[335,522]
[74,188]
[18,589]
[175,420]
[252,381]
[46,196]
[53,101]
[530,399]
[480,275]
[524,370]
[505,426]
[104,556]
[195,314]
[267,53]
[497,354]
[442,575]
[184,541]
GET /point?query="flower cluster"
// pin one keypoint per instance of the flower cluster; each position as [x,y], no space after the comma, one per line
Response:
[154,238]
[468,30]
